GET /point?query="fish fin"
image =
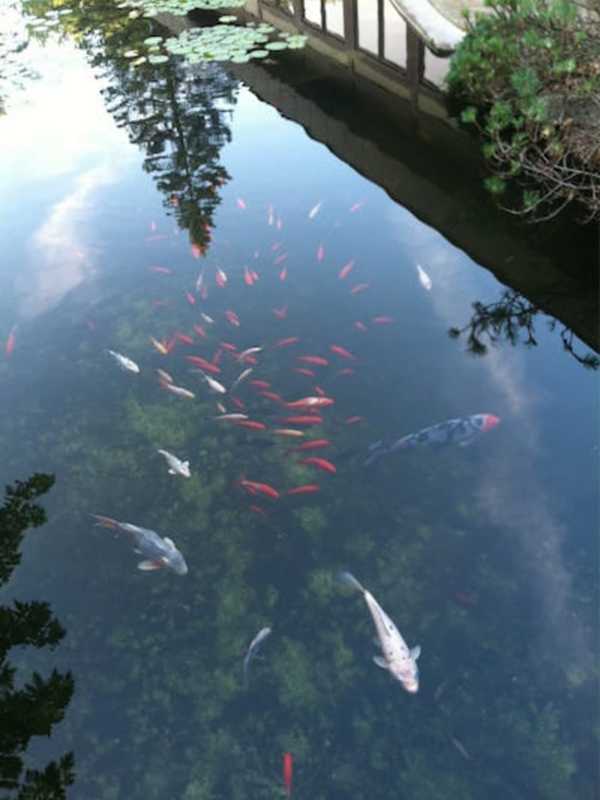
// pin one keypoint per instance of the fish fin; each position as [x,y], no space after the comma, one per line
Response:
[170,542]
[149,566]
[349,579]
[415,652]
[172,472]
[105,522]
[381,662]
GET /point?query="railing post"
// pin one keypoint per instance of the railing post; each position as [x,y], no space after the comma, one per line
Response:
[415,63]
[351,24]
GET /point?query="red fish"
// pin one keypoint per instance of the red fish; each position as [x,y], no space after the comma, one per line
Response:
[360,287]
[313,444]
[241,203]
[283,274]
[183,337]
[287,771]
[204,292]
[320,253]
[237,402]
[200,330]
[321,463]
[248,279]
[346,270]
[280,258]
[232,318]
[263,488]
[318,360]
[204,364]
[260,384]
[216,359]
[228,346]
[10,342]
[360,326]
[271,396]
[190,298]
[251,424]
[341,351]
[287,342]
[303,420]
[220,278]
[161,270]
[254,274]
[280,313]
[303,371]
[382,320]
[307,488]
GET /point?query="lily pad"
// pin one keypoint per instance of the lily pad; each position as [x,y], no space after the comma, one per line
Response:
[131,53]
[276,46]
[157,59]
[153,40]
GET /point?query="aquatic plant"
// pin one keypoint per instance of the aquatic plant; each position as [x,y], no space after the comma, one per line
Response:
[233,43]
[151,8]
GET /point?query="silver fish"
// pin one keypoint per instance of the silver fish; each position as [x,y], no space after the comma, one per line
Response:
[212,383]
[179,391]
[176,467]
[124,362]
[233,417]
[252,650]
[249,352]
[158,552]
[207,319]
[240,378]
[397,658]
[424,278]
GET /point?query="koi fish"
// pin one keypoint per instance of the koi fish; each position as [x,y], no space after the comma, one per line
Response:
[248,352]
[10,346]
[184,338]
[204,364]
[280,259]
[283,274]
[232,318]
[164,376]
[190,298]
[158,552]
[461,431]
[360,326]
[320,463]
[360,287]
[314,210]
[307,488]
[279,223]
[382,320]
[260,384]
[354,208]
[280,313]
[124,362]
[263,488]
[424,278]
[304,371]
[228,346]
[276,398]
[270,217]
[252,425]
[341,351]
[288,766]
[248,280]
[287,342]
[233,417]
[200,280]
[178,391]
[345,270]
[161,270]
[242,376]
[287,432]
[207,319]
[312,420]
[176,467]
[318,360]
[312,402]
[220,278]
[253,648]
[237,402]
[313,444]
[396,657]
[220,407]
[320,253]
[214,385]
[353,420]
[241,203]
[200,331]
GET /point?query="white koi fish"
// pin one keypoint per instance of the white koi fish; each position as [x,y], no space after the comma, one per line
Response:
[124,362]
[241,378]
[164,376]
[207,319]
[234,417]
[252,650]
[424,278]
[250,351]
[397,658]
[176,467]
[314,211]
[214,385]
[200,281]
[179,391]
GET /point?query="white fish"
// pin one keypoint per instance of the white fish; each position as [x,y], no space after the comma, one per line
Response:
[314,211]
[176,467]
[207,319]
[124,362]
[270,217]
[254,644]
[424,278]
[397,658]
[231,417]
[179,391]
[240,378]
[250,351]
[221,408]
[213,384]
[200,280]
[164,376]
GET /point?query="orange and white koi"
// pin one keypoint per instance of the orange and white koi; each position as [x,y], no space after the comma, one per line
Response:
[283,274]
[311,402]
[252,425]
[220,278]
[162,349]
[164,376]
[382,320]
[232,318]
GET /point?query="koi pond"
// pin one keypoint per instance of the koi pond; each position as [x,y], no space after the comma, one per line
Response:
[235,308]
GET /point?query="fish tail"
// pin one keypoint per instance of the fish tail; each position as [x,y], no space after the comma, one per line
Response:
[348,579]
[105,522]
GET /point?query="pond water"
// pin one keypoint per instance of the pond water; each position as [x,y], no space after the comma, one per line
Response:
[129,195]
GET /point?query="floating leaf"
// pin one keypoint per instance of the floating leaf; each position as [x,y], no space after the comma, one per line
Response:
[276,46]
[153,40]
[158,59]
[131,53]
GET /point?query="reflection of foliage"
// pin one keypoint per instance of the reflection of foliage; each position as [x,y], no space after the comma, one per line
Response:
[14,71]
[36,707]
[512,319]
